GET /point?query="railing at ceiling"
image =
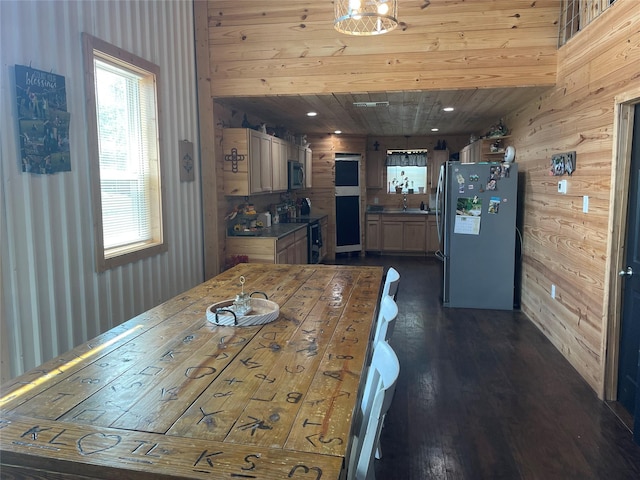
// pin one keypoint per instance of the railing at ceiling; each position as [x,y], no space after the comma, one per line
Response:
[577,14]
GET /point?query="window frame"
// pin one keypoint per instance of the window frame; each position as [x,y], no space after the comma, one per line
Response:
[118,256]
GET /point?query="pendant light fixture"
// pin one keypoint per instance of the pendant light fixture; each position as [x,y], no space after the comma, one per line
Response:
[365,17]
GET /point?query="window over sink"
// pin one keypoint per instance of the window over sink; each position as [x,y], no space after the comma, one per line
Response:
[406,171]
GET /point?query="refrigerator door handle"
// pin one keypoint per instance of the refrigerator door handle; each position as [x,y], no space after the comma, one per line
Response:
[439,204]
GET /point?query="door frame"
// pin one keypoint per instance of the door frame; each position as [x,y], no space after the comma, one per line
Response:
[622,141]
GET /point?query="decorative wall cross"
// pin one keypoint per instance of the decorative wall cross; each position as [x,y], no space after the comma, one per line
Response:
[234,158]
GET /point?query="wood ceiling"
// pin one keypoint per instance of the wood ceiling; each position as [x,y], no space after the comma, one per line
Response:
[410,113]
[276,61]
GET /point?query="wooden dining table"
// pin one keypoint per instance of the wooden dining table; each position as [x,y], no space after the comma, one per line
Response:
[170,394]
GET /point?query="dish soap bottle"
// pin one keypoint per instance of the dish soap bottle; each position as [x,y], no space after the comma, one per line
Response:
[421,205]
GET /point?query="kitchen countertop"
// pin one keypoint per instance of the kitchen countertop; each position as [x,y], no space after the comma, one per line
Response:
[400,211]
[280,230]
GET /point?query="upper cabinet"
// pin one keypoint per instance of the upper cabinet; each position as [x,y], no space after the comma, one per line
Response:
[256,163]
[482,150]
[306,159]
[279,157]
[374,166]
[436,158]
[247,162]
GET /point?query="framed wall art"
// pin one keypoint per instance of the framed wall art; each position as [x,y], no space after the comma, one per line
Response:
[562,163]
[43,121]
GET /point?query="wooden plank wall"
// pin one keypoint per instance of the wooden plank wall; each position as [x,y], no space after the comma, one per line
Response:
[275,48]
[281,48]
[562,245]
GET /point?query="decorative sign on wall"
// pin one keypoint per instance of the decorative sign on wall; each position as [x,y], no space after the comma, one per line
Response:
[562,163]
[43,121]
[187,173]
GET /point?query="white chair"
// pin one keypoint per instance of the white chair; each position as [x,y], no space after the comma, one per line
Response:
[378,394]
[391,283]
[386,320]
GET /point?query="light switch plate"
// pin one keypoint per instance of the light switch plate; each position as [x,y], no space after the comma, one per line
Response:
[562,186]
[585,204]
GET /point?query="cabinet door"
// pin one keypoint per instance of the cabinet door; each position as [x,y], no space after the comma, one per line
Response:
[281,256]
[260,176]
[392,233]
[374,168]
[285,249]
[301,250]
[433,244]
[373,233]
[437,158]
[308,167]
[279,155]
[414,236]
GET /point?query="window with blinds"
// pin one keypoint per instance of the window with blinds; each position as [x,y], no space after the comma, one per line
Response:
[127,172]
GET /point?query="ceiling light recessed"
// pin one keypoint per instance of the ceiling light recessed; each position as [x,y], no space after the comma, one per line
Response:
[435,129]
[448,109]
[338,132]
[311,114]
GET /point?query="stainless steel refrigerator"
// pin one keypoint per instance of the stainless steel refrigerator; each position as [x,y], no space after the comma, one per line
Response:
[476,213]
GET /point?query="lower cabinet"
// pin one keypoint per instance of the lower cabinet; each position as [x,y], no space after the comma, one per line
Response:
[300,247]
[291,248]
[414,236]
[410,233]
[372,232]
[392,233]
[433,243]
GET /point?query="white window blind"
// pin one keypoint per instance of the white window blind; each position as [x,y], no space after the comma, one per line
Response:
[125,111]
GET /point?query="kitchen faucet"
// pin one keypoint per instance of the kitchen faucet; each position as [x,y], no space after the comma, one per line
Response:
[404,202]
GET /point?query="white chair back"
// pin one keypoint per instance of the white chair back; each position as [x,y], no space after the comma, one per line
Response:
[386,319]
[378,394]
[391,283]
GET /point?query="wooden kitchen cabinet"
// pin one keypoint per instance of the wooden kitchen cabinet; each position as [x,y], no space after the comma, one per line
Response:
[300,247]
[391,233]
[306,158]
[260,162]
[414,236]
[285,249]
[470,153]
[251,161]
[433,243]
[279,157]
[480,150]
[372,232]
[291,248]
[374,167]
[436,158]
[402,233]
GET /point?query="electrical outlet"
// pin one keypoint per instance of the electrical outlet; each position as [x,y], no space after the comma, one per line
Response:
[562,186]
[553,291]
[585,204]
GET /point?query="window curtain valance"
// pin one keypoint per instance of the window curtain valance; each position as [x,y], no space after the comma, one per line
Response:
[407,160]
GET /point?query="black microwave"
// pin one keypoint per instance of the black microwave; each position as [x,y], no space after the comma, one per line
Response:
[296,175]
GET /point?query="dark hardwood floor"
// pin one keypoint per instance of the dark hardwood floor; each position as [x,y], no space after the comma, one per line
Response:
[484,395]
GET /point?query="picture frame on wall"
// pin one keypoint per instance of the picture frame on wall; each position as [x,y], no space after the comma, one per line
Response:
[562,163]
[43,121]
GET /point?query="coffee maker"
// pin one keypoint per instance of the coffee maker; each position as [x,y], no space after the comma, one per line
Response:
[305,206]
